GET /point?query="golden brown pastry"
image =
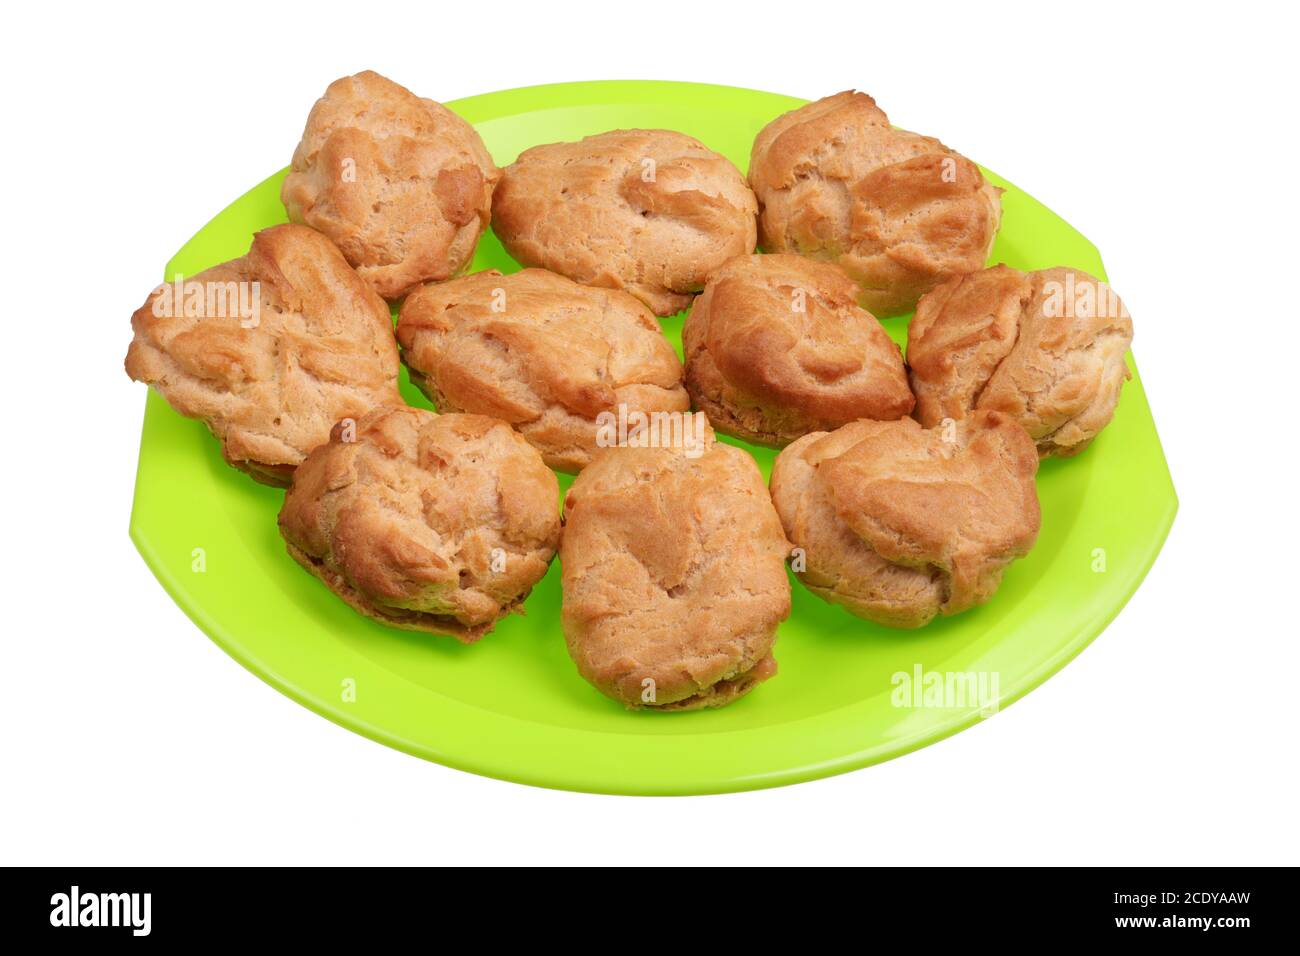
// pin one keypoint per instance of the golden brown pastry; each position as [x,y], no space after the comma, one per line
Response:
[401,183]
[649,211]
[1045,347]
[900,212]
[674,579]
[897,524]
[269,350]
[541,352]
[438,523]
[776,348]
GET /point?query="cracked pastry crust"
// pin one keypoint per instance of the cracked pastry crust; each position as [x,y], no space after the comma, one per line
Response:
[437,523]
[898,211]
[401,183]
[541,352]
[322,349]
[899,524]
[653,212]
[1046,348]
[673,576]
[776,347]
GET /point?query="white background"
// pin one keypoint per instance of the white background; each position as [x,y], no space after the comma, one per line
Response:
[1167,137]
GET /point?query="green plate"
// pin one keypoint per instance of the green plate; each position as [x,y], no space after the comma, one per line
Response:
[513,706]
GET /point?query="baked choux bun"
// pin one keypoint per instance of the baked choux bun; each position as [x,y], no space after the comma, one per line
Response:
[776,347]
[402,184]
[268,350]
[1047,348]
[438,523]
[899,212]
[673,575]
[551,357]
[898,524]
[652,212]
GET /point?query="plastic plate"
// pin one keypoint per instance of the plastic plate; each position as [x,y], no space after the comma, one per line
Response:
[513,705]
